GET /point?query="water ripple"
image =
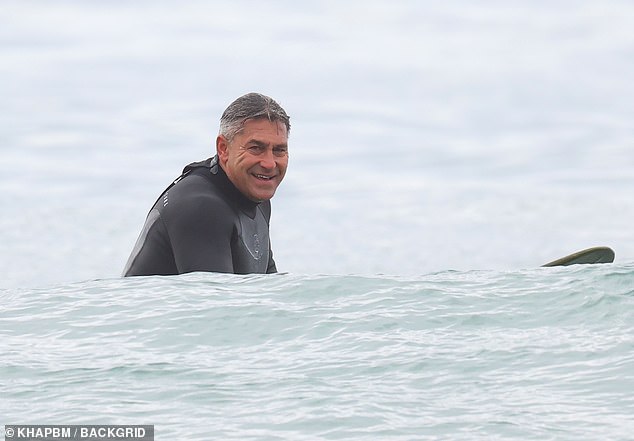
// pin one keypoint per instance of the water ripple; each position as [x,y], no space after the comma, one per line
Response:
[539,354]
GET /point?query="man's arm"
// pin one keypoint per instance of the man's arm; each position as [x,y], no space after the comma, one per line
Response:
[271,268]
[200,229]
[266,211]
[152,253]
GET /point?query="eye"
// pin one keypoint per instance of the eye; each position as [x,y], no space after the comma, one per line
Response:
[255,149]
[280,151]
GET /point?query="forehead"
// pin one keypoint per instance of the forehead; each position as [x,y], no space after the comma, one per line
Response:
[263,129]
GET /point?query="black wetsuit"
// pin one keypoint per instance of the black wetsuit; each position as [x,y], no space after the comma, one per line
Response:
[203,223]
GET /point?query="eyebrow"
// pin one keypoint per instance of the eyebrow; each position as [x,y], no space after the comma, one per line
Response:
[264,144]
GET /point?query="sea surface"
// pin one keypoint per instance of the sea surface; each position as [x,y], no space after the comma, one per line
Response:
[440,152]
[465,355]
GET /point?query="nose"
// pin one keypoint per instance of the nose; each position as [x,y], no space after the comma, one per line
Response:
[267,160]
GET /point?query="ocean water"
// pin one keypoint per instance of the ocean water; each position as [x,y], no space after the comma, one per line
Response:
[474,355]
[439,153]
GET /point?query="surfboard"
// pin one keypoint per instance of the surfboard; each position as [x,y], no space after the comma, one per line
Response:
[589,255]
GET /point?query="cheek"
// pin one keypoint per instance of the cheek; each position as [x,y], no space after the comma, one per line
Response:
[242,158]
[282,169]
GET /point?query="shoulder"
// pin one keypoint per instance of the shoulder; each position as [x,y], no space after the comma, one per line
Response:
[194,198]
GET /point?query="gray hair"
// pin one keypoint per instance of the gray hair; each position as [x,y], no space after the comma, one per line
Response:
[251,106]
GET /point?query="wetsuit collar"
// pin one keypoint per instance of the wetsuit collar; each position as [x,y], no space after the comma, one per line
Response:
[244,203]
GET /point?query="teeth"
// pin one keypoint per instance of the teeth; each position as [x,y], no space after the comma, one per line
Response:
[264,177]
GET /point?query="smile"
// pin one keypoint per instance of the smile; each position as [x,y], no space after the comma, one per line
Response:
[264,177]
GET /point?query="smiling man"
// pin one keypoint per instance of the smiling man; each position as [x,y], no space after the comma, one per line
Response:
[215,216]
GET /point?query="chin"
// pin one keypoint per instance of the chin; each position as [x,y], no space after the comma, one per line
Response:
[262,198]
[266,196]
[262,194]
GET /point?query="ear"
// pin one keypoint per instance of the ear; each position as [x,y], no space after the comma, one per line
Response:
[222,148]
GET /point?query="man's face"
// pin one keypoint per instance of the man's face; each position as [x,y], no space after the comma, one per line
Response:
[255,160]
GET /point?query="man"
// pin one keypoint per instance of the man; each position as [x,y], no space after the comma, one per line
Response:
[215,216]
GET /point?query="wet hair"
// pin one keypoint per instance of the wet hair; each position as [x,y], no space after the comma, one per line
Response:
[251,106]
